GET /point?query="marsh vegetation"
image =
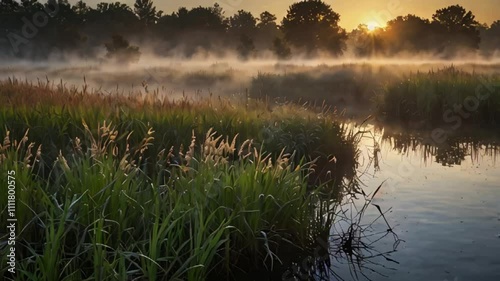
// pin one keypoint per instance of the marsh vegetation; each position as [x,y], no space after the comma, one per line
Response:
[202,146]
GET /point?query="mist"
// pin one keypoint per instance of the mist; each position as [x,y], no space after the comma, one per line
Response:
[201,51]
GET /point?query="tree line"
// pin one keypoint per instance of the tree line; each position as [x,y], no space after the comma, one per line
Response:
[34,30]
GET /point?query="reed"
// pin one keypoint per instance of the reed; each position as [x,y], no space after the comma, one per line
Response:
[120,187]
[435,98]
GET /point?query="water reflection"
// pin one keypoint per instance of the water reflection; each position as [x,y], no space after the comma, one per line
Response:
[403,232]
[445,204]
[452,152]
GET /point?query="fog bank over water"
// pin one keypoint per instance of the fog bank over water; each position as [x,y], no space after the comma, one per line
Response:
[221,76]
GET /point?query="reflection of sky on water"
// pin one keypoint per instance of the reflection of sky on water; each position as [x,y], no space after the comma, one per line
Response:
[449,216]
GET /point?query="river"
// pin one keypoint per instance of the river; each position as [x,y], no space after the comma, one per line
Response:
[443,204]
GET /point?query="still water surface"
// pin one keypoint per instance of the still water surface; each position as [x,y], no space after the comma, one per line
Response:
[445,206]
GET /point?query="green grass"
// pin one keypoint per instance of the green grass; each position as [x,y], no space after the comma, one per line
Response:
[429,99]
[113,187]
[342,86]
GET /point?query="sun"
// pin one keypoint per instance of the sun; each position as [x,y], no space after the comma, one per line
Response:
[372,25]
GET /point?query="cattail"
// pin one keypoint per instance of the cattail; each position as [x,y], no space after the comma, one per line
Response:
[181,148]
[6,140]
[190,153]
[78,145]
[170,155]
[23,140]
[63,161]
[28,155]
[242,147]
[39,152]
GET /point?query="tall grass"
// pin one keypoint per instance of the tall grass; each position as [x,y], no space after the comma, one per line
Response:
[429,99]
[53,113]
[341,86]
[120,187]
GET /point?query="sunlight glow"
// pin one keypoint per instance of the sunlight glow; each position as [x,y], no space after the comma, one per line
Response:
[372,25]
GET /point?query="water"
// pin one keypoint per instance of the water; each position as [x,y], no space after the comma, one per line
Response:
[448,214]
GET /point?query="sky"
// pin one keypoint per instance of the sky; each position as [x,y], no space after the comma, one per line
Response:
[352,12]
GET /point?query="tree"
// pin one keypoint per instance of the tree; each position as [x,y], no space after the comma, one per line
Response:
[146,12]
[81,8]
[196,19]
[120,50]
[495,25]
[109,19]
[312,25]
[31,6]
[199,28]
[267,30]
[455,18]
[266,20]
[458,25]
[361,41]
[9,6]
[281,49]
[242,27]
[409,33]
[490,38]
[246,46]
[242,23]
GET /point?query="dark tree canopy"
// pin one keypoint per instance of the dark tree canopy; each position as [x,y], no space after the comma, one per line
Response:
[460,26]
[490,42]
[120,50]
[312,25]
[146,12]
[281,49]
[361,41]
[409,33]
[200,18]
[243,23]
[455,18]
[81,8]
[9,6]
[267,19]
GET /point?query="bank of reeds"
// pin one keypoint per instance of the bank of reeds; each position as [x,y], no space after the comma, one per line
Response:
[449,97]
[114,187]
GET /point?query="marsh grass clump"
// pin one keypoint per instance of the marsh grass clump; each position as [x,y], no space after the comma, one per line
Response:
[144,187]
[342,87]
[444,97]
[53,113]
[101,215]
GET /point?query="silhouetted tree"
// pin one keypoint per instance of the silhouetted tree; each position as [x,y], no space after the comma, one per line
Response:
[81,8]
[495,26]
[62,30]
[490,38]
[267,31]
[281,49]
[455,18]
[31,6]
[246,46]
[242,27]
[242,23]
[408,33]
[120,50]
[459,27]
[361,41]
[313,25]
[266,19]
[9,6]
[109,19]
[309,25]
[200,27]
[146,12]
